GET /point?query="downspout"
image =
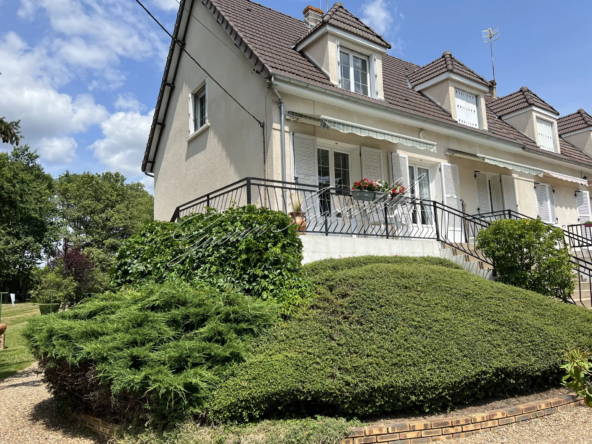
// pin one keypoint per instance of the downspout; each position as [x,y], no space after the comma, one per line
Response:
[282,129]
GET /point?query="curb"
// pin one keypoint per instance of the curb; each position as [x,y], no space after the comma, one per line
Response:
[419,432]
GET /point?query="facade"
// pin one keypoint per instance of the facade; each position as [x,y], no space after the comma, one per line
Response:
[319,101]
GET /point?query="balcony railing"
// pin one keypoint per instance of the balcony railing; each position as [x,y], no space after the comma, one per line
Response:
[337,212]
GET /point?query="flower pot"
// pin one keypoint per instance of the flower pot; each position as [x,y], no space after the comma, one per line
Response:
[299,219]
[2,328]
[363,195]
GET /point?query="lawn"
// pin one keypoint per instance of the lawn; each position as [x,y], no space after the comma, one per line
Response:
[16,355]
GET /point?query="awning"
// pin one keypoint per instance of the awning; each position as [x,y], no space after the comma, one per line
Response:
[365,131]
[498,162]
[361,130]
[567,178]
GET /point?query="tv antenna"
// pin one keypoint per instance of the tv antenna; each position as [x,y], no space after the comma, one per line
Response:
[490,35]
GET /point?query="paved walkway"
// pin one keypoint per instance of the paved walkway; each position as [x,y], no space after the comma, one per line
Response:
[28,414]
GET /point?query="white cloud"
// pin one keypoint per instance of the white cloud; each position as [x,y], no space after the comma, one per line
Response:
[148,182]
[122,148]
[167,5]
[28,92]
[57,149]
[128,102]
[384,18]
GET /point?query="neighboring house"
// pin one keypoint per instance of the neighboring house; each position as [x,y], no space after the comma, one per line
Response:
[352,111]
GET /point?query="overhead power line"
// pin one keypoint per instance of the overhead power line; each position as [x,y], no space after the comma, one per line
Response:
[182,47]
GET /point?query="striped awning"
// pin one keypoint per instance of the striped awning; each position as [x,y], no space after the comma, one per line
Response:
[511,165]
[567,178]
[365,131]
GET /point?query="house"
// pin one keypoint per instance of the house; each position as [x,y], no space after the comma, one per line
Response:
[317,101]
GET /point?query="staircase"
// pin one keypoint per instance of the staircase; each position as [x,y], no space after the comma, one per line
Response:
[468,257]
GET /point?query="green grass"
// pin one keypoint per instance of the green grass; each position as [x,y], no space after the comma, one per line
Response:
[16,356]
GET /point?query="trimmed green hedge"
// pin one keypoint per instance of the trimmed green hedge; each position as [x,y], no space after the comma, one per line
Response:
[153,355]
[401,337]
[252,250]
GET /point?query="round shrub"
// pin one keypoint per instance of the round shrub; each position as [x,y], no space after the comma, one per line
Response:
[530,254]
[152,355]
[387,338]
[252,250]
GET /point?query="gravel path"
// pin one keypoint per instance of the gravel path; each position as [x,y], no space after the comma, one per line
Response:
[573,427]
[28,414]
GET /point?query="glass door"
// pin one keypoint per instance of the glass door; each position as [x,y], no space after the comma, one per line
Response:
[333,171]
[419,189]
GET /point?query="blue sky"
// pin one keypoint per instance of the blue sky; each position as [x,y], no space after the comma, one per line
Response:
[83,75]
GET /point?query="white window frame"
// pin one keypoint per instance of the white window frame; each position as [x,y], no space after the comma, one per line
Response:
[194,127]
[477,107]
[539,119]
[369,67]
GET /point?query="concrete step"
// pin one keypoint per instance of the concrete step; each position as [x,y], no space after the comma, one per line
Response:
[469,246]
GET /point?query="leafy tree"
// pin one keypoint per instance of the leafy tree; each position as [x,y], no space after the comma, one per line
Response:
[10,132]
[26,213]
[101,210]
[529,254]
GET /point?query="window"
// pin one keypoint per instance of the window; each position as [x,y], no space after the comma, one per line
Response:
[353,70]
[466,108]
[335,174]
[545,203]
[198,110]
[546,139]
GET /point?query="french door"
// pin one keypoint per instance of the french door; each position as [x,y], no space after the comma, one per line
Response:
[333,171]
[419,189]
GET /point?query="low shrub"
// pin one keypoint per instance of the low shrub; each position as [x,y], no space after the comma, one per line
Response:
[152,355]
[579,374]
[402,337]
[49,308]
[252,250]
[529,254]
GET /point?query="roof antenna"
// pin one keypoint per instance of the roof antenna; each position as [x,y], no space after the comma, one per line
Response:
[489,36]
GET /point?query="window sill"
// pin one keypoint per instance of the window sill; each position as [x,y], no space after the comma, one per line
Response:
[198,132]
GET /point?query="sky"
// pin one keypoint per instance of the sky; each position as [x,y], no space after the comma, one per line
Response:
[83,76]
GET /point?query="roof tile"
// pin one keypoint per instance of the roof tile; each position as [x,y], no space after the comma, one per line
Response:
[444,64]
[523,98]
[574,122]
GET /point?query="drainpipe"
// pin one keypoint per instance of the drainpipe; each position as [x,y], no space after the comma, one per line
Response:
[283,126]
[282,140]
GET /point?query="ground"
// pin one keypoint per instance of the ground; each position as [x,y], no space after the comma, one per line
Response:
[16,356]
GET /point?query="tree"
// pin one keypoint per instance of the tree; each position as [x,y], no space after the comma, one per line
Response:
[10,132]
[26,217]
[101,210]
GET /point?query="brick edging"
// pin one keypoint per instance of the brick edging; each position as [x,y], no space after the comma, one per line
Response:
[419,432]
[104,429]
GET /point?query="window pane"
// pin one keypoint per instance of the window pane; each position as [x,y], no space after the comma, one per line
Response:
[345,70]
[202,110]
[360,75]
[341,172]
[424,193]
[324,179]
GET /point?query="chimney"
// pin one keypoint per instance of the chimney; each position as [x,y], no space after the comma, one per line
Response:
[313,16]
[493,89]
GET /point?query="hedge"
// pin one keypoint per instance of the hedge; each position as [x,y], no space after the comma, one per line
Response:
[48,308]
[251,250]
[153,355]
[402,337]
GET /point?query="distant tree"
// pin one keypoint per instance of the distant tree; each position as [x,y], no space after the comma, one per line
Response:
[10,132]
[101,210]
[26,217]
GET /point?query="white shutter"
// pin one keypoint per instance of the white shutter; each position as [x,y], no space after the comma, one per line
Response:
[190,114]
[451,186]
[338,63]
[583,204]
[400,169]
[375,72]
[305,159]
[546,139]
[371,163]
[545,203]
[483,201]
[466,108]
[509,193]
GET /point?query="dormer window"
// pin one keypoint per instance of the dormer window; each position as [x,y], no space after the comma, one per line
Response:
[354,72]
[545,133]
[466,108]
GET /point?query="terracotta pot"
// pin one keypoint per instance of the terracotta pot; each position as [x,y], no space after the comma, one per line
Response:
[2,328]
[299,220]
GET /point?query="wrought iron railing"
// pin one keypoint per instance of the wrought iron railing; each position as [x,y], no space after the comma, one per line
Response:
[336,211]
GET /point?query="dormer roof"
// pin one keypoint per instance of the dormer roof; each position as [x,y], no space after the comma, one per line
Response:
[574,122]
[445,64]
[519,100]
[341,18]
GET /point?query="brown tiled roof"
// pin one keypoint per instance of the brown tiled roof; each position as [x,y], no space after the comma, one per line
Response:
[523,98]
[444,64]
[574,122]
[571,152]
[341,18]
[267,37]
